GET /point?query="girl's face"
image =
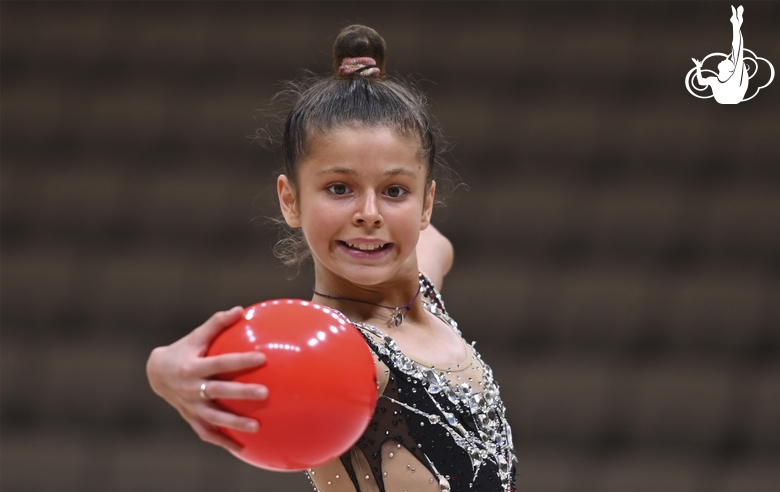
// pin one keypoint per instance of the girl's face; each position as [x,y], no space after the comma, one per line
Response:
[362,201]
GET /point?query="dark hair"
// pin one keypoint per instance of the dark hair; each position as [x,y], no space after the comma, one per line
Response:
[361,96]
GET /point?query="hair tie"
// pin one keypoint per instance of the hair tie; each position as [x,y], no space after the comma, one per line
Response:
[364,66]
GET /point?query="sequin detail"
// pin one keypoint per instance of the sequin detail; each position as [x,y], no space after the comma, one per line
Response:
[442,427]
[474,420]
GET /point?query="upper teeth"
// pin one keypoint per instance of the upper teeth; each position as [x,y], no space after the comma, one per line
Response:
[366,247]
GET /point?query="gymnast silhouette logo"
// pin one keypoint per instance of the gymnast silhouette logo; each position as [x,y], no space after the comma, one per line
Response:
[730,84]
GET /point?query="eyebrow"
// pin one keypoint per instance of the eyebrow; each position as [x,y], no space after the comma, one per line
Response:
[390,172]
[337,170]
[396,171]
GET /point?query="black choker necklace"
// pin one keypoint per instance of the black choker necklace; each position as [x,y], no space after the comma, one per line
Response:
[395,319]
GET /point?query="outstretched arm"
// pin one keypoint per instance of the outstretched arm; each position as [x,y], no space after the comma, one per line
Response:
[701,80]
[737,43]
[434,255]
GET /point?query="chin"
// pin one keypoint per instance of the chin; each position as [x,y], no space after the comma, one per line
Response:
[367,275]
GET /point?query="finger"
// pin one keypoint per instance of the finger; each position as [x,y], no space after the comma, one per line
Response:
[220,320]
[216,416]
[229,390]
[218,364]
[211,434]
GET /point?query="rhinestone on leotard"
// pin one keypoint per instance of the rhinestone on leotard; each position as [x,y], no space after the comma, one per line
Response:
[459,415]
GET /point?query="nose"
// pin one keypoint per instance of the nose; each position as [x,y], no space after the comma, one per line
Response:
[368,211]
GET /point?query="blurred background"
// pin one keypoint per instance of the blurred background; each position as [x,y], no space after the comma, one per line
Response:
[617,250]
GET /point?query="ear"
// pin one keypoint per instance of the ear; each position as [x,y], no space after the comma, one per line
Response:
[430,195]
[287,201]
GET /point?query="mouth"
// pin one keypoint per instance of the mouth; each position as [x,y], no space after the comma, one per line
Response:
[365,247]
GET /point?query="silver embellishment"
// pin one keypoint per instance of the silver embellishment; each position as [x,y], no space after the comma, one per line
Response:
[397,317]
[492,438]
[491,441]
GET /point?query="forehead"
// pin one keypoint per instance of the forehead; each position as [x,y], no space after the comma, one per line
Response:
[362,149]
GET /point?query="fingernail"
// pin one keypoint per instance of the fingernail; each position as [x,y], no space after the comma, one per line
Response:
[261,392]
[235,309]
[251,426]
[259,357]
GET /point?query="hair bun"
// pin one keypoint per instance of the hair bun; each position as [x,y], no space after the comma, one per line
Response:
[357,50]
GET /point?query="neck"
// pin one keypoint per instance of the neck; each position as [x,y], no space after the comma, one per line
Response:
[371,303]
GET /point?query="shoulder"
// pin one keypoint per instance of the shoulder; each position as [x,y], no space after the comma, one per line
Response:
[435,255]
[430,295]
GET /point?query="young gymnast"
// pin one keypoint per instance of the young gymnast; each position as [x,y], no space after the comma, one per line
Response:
[360,158]
[731,84]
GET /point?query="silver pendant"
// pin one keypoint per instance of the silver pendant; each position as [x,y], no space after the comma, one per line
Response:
[397,317]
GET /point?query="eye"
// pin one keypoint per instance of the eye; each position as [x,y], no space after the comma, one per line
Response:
[338,189]
[395,192]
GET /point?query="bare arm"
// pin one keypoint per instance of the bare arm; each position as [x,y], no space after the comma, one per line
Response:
[434,255]
[701,80]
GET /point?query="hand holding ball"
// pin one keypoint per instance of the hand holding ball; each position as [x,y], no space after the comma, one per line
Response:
[321,383]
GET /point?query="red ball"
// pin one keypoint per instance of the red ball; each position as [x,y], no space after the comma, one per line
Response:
[321,383]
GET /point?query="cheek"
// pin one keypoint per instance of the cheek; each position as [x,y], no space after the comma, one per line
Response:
[406,222]
[320,223]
